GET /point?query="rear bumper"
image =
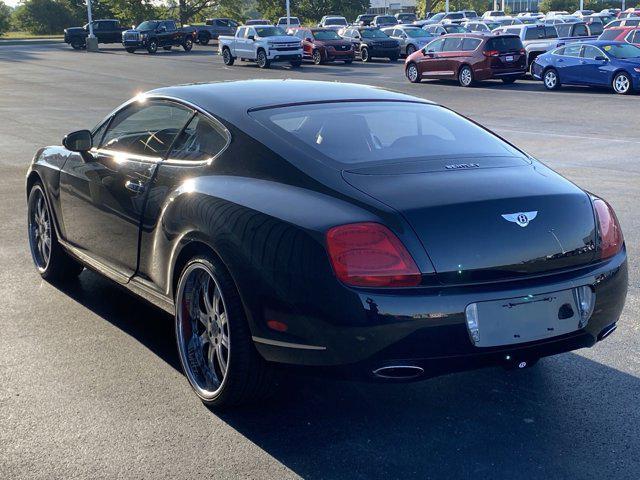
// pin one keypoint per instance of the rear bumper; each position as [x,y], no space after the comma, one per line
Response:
[427,326]
[384,52]
[488,73]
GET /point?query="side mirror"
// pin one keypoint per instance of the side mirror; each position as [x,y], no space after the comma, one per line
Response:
[601,58]
[251,37]
[309,39]
[80,141]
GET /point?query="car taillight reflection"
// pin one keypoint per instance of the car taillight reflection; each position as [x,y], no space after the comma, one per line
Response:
[609,230]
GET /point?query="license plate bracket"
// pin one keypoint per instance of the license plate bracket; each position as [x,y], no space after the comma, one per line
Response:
[509,58]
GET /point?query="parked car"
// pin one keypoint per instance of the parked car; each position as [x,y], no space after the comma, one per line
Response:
[213,28]
[406,18]
[626,22]
[323,45]
[293,22]
[258,21]
[574,32]
[153,34]
[629,13]
[597,63]
[475,26]
[410,37]
[583,13]
[494,15]
[434,19]
[333,22]
[263,44]
[445,28]
[106,31]
[371,43]
[622,34]
[469,58]
[286,223]
[384,21]
[453,17]
[536,39]
[364,20]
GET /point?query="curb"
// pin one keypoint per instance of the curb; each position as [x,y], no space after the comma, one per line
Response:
[26,41]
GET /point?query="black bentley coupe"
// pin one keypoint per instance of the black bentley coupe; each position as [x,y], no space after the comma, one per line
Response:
[333,226]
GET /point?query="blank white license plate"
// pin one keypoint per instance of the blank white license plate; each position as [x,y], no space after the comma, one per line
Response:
[509,58]
[526,319]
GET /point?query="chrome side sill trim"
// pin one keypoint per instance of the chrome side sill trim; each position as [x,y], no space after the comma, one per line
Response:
[278,343]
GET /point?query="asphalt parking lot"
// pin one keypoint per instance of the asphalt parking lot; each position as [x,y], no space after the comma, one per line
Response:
[90,382]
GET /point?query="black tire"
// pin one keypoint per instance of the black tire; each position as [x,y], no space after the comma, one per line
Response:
[167,48]
[509,80]
[152,46]
[187,45]
[78,44]
[227,58]
[364,54]
[622,83]
[551,79]
[262,60]
[57,264]
[248,377]
[410,49]
[317,57]
[296,63]
[204,38]
[465,76]
[412,73]
[130,49]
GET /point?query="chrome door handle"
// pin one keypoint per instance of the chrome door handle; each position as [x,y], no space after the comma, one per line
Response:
[134,186]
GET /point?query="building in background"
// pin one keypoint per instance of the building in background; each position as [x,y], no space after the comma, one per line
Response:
[392,6]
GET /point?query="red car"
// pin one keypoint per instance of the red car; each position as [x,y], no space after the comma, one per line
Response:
[622,34]
[323,45]
[469,58]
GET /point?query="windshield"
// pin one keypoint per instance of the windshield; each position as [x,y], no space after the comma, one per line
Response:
[477,27]
[492,25]
[326,35]
[373,34]
[335,21]
[609,34]
[455,16]
[455,29]
[471,14]
[417,33]
[357,132]
[384,19]
[269,31]
[622,50]
[437,17]
[148,25]
[407,16]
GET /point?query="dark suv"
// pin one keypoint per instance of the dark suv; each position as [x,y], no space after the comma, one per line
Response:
[372,42]
[469,58]
[106,31]
[323,45]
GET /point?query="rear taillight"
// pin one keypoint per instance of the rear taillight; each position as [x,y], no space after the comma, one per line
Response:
[609,230]
[491,53]
[370,255]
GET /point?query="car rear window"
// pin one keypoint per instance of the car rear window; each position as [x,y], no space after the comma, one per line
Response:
[504,44]
[550,32]
[609,34]
[363,132]
[534,33]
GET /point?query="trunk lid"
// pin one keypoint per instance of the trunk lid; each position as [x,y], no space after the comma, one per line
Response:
[468,214]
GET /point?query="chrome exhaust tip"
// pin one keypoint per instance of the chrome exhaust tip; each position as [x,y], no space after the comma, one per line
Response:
[607,331]
[398,372]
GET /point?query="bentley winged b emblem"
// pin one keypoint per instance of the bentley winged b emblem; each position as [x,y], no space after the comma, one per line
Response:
[521,218]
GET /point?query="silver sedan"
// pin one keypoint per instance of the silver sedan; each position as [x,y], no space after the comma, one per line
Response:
[410,37]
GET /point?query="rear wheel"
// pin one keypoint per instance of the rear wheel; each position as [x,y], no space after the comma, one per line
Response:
[213,337]
[317,57]
[204,38]
[152,46]
[621,83]
[262,60]
[412,73]
[551,80]
[187,45]
[410,49]
[465,76]
[52,262]
[227,58]
[364,54]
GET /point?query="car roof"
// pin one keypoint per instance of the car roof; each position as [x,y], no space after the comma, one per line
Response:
[602,43]
[231,100]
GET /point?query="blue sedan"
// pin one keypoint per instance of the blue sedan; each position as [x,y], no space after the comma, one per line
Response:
[597,63]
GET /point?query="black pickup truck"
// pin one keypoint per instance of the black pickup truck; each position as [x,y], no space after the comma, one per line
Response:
[153,34]
[107,31]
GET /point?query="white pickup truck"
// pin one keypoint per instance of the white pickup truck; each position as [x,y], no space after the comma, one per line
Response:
[261,43]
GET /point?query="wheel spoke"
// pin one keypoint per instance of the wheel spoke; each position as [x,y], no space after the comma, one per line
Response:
[217,303]
[206,295]
[224,341]
[222,362]
[204,338]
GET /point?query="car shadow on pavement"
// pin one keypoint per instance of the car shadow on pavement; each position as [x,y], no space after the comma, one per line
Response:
[526,84]
[568,417]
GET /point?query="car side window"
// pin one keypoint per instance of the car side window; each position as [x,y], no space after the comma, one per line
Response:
[470,44]
[146,128]
[550,32]
[240,32]
[452,44]
[171,25]
[572,50]
[581,31]
[249,32]
[98,132]
[435,46]
[591,52]
[200,140]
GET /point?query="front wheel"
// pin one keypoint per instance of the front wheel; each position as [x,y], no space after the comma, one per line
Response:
[77,44]
[227,58]
[214,341]
[621,83]
[551,80]
[296,63]
[465,76]
[412,73]
[262,60]
[52,262]
[152,46]
[204,39]
[364,54]
[317,57]
[187,45]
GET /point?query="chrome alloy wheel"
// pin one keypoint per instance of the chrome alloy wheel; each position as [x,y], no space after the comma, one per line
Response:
[466,76]
[621,84]
[550,79]
[39,229]
[202,330]
[412,73]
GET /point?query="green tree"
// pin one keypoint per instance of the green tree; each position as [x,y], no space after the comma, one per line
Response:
[134,11]
[5,17]
[312,11]
[42,16]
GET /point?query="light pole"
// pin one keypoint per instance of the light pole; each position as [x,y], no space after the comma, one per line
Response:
[446,7]
[92,41]
[288,14]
